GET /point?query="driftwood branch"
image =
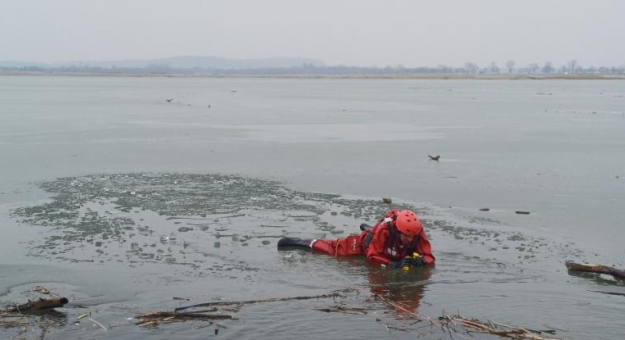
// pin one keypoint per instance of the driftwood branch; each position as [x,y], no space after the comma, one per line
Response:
[13,316]
[39,305]
[246,302]
[343,309]
[503,331]
[154,318]
[417,316]
[156,315]
[13,324]
[595,268]
[448,321]
[457,326]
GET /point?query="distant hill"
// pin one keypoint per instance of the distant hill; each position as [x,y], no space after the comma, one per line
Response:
[182,62]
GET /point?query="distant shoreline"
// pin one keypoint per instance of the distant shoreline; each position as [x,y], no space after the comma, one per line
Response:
[312,76]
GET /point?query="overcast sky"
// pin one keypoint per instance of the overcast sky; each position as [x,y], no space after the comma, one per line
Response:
[350,32]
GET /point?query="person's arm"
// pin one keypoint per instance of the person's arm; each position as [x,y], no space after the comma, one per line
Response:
[424,248]
[376,253]
[383,261]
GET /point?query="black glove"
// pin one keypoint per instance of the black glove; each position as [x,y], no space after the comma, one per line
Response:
[418,262]
[408,262]
[405,262]
[394,264]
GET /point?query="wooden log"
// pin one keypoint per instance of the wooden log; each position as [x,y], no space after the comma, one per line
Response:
[39,305]
[595,268]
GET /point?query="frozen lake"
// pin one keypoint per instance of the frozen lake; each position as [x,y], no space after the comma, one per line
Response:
[554,148]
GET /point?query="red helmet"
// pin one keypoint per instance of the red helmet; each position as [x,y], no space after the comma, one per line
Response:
[408,223]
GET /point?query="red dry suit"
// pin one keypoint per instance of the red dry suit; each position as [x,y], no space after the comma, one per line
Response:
[373,243]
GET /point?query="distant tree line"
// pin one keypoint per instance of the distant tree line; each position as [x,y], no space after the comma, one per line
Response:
[469,68]
[572,67]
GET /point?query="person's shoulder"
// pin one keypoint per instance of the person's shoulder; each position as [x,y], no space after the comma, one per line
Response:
[380,229]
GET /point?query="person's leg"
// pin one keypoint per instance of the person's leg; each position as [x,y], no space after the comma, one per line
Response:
[365,226]
[294,242]
[324,246]
[334,247]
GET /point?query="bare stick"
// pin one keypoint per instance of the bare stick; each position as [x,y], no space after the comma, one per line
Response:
[512,332]
[97,323]
[13,324]
[13,316]
[215,309]
[341,309]
[160,315]
[226,303]
[153,319]
[44,329]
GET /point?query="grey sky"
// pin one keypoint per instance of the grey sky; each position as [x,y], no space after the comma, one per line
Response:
[351,32]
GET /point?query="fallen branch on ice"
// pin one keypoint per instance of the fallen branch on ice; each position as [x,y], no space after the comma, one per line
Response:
[39,305]
[245,302]
[155,318]
[595,268]
[342,309]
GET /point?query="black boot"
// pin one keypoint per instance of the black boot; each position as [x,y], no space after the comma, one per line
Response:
[293,242]
[365,226]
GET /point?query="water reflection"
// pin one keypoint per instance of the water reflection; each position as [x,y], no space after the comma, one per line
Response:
[404,289]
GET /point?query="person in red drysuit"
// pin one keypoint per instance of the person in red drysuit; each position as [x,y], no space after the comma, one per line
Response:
[390,243]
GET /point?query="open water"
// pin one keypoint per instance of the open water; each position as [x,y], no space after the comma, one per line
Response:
[122,193]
